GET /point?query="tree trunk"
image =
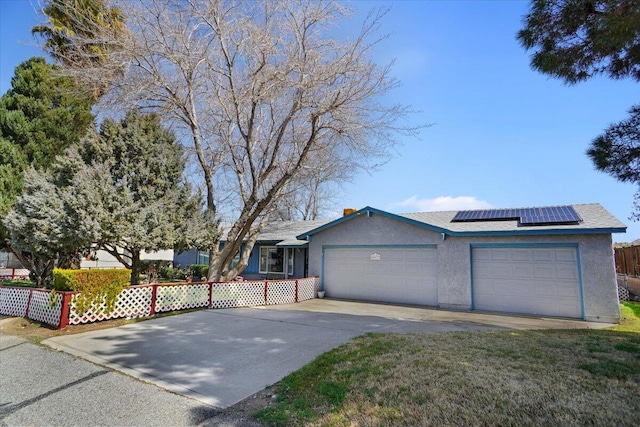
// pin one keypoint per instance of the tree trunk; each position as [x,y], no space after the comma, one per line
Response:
[41,269]
[69,261]
[135,266]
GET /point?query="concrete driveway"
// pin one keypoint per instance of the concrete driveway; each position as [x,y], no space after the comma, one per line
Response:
[220,357]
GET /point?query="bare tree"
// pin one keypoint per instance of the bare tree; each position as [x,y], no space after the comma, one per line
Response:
[259,91]
[314,193]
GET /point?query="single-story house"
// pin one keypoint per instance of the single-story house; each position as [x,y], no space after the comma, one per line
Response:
[549,261]
[277,253]
[9,260]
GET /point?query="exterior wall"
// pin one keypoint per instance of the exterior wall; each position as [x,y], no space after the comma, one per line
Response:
[252,271]
[104,260]
[300,254]
[252,264]
[165,255]
[9,260]
[363,230]
[595,253]
[183,259]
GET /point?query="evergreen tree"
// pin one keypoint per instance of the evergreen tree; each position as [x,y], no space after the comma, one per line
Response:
[574,40]
[124,187]
[40,116]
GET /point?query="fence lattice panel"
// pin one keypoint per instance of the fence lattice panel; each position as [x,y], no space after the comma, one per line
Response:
[132,302]
[14,273]
[307,288]
[182,297]
[44,308]
[237,294]
[13,301]
[281,292]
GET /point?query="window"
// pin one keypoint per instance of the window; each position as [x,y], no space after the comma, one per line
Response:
[203,257]
[273,260]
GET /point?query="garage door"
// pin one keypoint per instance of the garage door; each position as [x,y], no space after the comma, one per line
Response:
[540,280]
[401,275]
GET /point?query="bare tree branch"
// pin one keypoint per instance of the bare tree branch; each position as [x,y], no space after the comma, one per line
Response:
[265,98]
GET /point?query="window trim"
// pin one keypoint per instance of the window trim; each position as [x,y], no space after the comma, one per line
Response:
[287,260]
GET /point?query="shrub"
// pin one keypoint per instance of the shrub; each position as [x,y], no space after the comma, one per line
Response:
[198,271]
[153,267]
[95,286]
[173,273]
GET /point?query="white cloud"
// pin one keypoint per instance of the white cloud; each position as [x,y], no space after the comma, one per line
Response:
[443,203]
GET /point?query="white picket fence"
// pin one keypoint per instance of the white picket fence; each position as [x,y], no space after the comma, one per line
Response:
[59,308]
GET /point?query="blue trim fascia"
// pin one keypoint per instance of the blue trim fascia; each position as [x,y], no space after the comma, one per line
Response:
[369,211]
[325,247]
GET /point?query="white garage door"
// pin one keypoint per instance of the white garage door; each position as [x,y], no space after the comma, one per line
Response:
[401,275]
[540,280]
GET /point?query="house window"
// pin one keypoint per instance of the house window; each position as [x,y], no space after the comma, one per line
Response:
[203,257]
[273,260]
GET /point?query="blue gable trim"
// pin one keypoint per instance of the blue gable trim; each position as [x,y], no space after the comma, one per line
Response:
[369,211]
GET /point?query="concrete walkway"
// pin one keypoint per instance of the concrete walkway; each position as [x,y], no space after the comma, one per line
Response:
[223,356]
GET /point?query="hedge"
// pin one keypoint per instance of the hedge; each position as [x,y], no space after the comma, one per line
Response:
[199,271]
[95,286]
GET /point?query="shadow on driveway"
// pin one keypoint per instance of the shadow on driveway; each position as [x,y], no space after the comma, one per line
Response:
[223,356]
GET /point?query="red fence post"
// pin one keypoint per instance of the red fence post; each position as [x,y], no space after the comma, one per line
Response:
[26,311]
[13,273]
[296,300]
[266,283]
[64,310]
[154,294]
[210,294]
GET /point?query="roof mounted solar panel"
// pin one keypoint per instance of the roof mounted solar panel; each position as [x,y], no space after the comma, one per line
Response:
[525,216]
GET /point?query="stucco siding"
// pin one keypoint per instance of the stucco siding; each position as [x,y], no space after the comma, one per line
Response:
[374,230]
[596,262]
[596,268]
[298,262]
[186,258]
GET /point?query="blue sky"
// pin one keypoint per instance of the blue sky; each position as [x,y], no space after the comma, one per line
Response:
[502,135]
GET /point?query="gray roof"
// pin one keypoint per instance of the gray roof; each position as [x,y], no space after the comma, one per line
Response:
[285,232]
[594,217]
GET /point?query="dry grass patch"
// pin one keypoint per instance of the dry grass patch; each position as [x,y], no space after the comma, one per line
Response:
[37,332]
[575,377]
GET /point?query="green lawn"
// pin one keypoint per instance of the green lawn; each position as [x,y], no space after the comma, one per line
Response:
[561,377]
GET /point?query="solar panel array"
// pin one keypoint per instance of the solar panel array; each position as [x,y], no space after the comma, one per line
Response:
[526,216]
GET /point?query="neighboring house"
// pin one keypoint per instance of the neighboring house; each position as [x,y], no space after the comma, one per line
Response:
[103,259]
[277,253]
[9,260]
[553,261]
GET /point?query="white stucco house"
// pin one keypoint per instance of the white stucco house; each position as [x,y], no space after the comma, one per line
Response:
[103,259]
[550,261]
